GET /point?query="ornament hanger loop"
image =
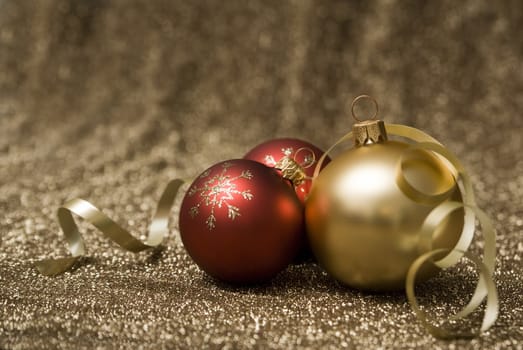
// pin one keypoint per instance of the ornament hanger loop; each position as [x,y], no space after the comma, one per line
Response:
[361,97]
[309,158]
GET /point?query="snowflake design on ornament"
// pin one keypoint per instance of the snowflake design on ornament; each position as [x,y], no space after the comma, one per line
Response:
[217,191]
[287,152]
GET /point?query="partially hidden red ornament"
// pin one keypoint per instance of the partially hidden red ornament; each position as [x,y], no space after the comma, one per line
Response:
[241,222]
[290,157]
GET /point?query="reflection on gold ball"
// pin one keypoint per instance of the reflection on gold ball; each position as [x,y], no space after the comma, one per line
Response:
[362,228]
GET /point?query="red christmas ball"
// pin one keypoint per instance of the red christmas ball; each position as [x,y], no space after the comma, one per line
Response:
[241,222]
[281,153]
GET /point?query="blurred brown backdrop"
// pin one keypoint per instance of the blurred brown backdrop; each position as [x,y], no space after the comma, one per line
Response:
[109,99]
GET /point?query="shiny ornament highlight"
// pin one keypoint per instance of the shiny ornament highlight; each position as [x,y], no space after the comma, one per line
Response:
[241,222]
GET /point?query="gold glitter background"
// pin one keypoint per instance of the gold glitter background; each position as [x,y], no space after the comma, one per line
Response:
[107,100]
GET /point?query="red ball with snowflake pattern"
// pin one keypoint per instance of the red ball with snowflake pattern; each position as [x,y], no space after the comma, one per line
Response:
[241,222]
[285,152]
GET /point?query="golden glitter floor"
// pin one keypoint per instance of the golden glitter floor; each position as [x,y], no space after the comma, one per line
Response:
[107,100]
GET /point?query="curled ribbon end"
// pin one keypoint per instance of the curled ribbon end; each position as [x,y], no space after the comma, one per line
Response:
[485,288]
[53,267]
[85,210]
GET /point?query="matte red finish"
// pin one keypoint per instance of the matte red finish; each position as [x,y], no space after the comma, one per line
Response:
[270,152]
[241,222]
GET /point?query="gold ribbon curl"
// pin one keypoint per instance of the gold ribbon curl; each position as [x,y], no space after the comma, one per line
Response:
[116,233]
[485,287]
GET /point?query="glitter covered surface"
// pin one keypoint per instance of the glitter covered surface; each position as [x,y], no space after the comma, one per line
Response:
[108,100]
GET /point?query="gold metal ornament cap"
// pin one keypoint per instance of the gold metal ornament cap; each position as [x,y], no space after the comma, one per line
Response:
[291,170]
[367,131]
[294,171]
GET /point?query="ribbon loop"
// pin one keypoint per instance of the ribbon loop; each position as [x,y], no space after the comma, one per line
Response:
[485,286]
[116,233]
[491,310]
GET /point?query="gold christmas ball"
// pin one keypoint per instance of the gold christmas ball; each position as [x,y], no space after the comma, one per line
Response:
[363,229]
